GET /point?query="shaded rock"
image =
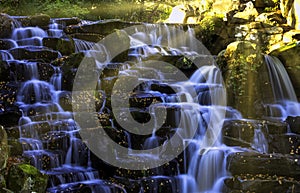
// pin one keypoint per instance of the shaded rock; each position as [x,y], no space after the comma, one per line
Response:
[68,21]
[6,44]
[36,54]
[262,184]
[101,27]
[294,123]
[4,150]
[4,71]
[284,144]
[39,20]
[6,25]
[256,163]
[264,3]
[92,37]
[64,46]
[26,178]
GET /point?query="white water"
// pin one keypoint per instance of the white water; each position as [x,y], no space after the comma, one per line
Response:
[285,99]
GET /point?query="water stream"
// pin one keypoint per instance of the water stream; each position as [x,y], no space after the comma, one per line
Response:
[50,136]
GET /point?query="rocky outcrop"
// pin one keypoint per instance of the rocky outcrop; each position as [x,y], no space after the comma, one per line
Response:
[6,26]
[242,67]
[26,178]
[290,9]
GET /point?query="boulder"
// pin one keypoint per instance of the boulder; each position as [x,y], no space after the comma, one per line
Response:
[261,184]
[41,20]
[249,14]
[244,69]
[284,144]
[267,164]
[294,123]
[35,54]
[64,46]
[6,25]
[26,178]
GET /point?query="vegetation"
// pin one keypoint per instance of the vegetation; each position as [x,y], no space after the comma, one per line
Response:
[130,10]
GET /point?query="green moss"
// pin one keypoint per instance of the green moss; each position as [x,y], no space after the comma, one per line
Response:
[28,169]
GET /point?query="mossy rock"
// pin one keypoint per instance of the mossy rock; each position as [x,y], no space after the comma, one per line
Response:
[64,46]
[39,20]
[6,25]
[26,178]
[4,150]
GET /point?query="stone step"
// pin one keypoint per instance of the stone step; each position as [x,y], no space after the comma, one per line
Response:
[256,163]
[261,184]
[243,131]
[68,174]
[38,54]
[294,123]
[285,144]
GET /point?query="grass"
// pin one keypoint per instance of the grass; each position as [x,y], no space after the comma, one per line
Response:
[150,12]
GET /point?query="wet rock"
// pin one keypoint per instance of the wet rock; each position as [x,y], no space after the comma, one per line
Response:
[6,25]
[68,21]
[64,46]
[6,44]
[256,163]
[284,144]
[88,37]
[4,150]
[261,184]
[15,147]
[101,27]
[143,100]
[35,54]
[26,178]
[4,71]
[39,20]
[294,123]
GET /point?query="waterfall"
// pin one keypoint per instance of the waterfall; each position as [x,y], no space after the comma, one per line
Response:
[285,99]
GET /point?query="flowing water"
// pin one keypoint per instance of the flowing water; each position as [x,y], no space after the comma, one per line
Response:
[50,136]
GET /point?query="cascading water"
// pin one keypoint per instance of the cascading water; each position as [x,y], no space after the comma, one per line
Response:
[285,100]
[50,136]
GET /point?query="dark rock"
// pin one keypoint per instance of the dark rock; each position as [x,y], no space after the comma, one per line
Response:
[4,71]
[88,37]
[294,124]
[6,25]
[15,147]
[264,3]
[285,144]
[4,150]
[39,20]
[35,54]
[256,163]
[6,44]
[101,27]
[23,177]
[68,21]
[64,46]
[143,100]
[261,184]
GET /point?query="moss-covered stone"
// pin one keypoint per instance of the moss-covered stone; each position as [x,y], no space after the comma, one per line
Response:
[242,66]
[26,178]
[39,20]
